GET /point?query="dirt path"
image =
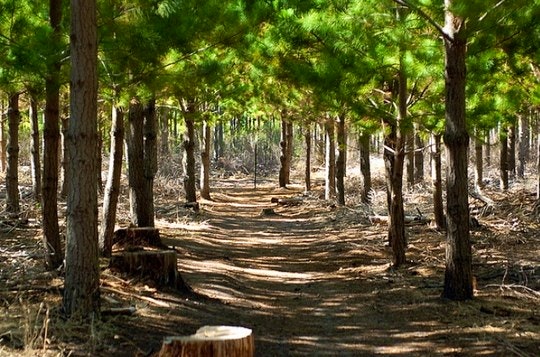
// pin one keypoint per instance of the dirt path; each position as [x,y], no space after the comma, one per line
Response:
[311,282]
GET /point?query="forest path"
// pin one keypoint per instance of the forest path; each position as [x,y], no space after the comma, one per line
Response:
[309,281]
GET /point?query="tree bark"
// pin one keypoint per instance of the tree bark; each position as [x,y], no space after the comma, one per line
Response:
[112,187]
[330,161]
[418,155]
[3,140]
[458,272]
[523,153]
[64,161]
[136,169]
[512,150]
[290,144]
[211,341]
[190,178]
[409,159]
[307,172]
[81,284]
[206,149]
[365,166]
[13,207]
[503,159]
[436,180]
[219,142]
[35,151]
[150,150]
[284,156]
[51,141]
[341,160]
[164,131]
[478,161]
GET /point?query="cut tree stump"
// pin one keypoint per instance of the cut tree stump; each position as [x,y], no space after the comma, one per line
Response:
[211,341]
[126,238]
[158,265]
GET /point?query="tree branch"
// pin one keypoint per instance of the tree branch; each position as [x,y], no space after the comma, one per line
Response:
[426,17]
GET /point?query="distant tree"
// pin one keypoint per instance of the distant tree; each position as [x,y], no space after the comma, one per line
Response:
[35,151]
[13,207]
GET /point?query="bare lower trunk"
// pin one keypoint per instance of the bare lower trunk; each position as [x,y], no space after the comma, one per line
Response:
[365,167]
[205,160]
[81,283]
[112,187]
[189,148]
[284,155]
[150,150]
[330,184]
[12,173]
[512,150]
[164,132]
[409,159]
[458,272]
[418,156]
[289,146]
[341,160]
[307,172]
[35,149]
[3,140]
[503,159]
[523,155]
[436,179]
[478,162]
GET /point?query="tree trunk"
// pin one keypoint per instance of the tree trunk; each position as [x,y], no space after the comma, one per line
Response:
[206,150]
[487,149]
[81,284]
[190,178]
[12,173]
[436,179]
[418,155]
[35,148]
[396,223]
[290,143]
[64,161]
[164,131]
[409,159]
[330,161]
[307,172]
[340,161]
[150,150]
[3,140]
[478,161]
[365,166]
[284,156]
[99,161]
[112,188]
[211,341]
[51,140]
[136,169]
[523,155]
[503,159]
[458,272]
[512,150]
[219,141]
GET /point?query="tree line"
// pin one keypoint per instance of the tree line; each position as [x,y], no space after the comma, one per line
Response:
[410,70]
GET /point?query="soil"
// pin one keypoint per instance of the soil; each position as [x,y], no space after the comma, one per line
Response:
[310,279]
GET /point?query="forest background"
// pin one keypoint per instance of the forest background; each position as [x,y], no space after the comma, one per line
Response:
[256,87]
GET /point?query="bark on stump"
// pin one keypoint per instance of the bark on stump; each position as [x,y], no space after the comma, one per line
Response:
[157,265]
[211,341]
[137,236]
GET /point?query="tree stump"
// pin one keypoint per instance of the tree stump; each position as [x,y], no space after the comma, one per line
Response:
[158,265]
[137,236]
[211,341]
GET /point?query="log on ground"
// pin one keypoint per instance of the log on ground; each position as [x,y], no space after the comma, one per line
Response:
[211,341]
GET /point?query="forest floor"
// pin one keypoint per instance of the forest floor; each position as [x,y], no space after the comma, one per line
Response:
[313,279]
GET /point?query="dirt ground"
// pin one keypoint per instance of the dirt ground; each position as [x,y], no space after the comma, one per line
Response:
[312,279]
